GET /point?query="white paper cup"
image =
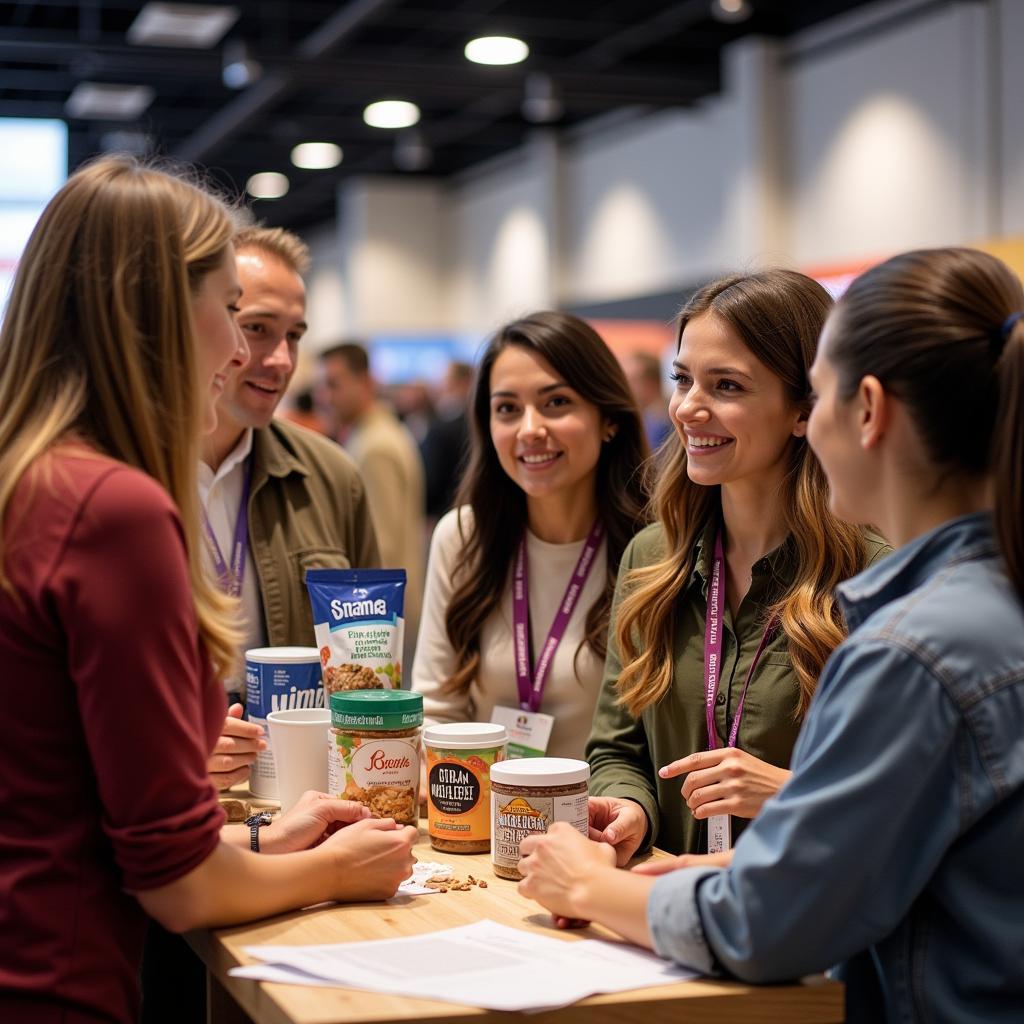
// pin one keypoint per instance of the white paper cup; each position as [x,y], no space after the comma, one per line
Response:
[296,738]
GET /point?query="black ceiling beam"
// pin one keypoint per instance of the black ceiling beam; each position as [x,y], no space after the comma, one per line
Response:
[402,70]
[274,87]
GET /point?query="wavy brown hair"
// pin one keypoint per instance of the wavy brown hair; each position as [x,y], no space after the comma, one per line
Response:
[580,357]
[933,327]
[98,344]
[778,315]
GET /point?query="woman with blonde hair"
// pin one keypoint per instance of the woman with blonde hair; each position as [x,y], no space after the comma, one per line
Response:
[117,340]
[724,612]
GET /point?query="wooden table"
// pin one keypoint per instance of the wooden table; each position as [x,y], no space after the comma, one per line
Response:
[236,999]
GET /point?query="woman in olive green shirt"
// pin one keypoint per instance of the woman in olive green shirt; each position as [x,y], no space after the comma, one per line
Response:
[743,515]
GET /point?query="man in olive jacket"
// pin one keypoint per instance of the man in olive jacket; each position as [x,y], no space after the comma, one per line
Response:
[306,505]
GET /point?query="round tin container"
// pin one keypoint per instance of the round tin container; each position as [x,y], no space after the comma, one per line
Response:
[374,751]
[459,760]
[530,794]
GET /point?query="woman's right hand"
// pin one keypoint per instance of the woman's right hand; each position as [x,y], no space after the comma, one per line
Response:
[372,858]
[620,823]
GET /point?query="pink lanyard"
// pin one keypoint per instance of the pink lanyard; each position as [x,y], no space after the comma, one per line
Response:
[230,576]
[531,684]
[713,650]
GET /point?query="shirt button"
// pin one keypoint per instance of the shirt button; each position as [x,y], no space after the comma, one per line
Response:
[720,699]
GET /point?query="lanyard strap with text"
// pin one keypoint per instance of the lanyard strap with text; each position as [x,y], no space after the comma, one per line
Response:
[231,576]
[531,684]
[713,650]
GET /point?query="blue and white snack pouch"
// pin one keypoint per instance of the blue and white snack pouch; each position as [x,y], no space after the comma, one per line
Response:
[358,620]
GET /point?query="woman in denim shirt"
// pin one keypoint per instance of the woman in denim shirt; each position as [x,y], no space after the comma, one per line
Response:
[896,847]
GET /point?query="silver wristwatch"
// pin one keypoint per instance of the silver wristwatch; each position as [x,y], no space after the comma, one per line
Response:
[255,823]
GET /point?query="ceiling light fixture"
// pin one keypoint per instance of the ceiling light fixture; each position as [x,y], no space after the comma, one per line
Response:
[239,68]
[316,156]
[731,10]
[496,50]
[267,185]
[191,26]
[391,114]
[100,101]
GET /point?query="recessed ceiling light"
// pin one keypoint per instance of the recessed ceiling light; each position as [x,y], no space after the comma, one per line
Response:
[730,10]
[267,185]
[100,101]
[391,114]
[316,156]
[496,50]
[196,26]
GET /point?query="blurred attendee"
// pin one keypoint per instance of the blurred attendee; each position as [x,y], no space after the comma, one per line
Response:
[552,495]
[304,412]
[445,446]
[113,637]
[392,469]
[644,373]
[414,406]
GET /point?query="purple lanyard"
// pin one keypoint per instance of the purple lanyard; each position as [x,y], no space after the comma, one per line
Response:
[231,576]
[531,684]
[713,650]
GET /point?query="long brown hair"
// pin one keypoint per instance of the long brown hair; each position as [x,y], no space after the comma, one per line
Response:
[98,344]
[935,327]
[581,358]
[778,315]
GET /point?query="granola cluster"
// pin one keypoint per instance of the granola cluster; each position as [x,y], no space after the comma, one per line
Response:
[398,802]
[443,884]
[350,677]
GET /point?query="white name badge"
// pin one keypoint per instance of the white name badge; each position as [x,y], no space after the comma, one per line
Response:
[528,731]
[719,833]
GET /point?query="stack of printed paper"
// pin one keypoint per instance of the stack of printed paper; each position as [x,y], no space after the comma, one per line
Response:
[483,964]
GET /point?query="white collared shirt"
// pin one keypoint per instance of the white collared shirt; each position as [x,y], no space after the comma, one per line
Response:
[220,493]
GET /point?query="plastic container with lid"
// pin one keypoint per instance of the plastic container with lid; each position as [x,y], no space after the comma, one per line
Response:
[374,751]
[278,679]
[527,796]
[459,759]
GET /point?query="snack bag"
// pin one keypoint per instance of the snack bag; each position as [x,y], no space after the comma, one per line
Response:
[359,627]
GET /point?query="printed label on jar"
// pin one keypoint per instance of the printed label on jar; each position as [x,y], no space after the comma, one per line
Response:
[522,816]
[458,794]
[383,774]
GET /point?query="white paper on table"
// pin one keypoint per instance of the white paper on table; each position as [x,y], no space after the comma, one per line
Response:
[483,964]
[282,975]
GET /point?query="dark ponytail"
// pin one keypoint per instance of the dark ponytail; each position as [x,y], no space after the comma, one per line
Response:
[936,328]
[1008,454]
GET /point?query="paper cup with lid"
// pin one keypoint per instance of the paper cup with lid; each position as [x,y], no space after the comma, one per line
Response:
[459,757]
[530,794]
[374,751]
[277,678]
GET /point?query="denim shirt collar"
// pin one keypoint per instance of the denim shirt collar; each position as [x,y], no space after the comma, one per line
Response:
[965,537]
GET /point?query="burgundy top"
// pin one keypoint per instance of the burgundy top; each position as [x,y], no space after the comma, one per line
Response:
[109,711]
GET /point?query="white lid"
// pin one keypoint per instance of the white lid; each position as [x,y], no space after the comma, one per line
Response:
[465,735]
[540,771]
[282,655]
